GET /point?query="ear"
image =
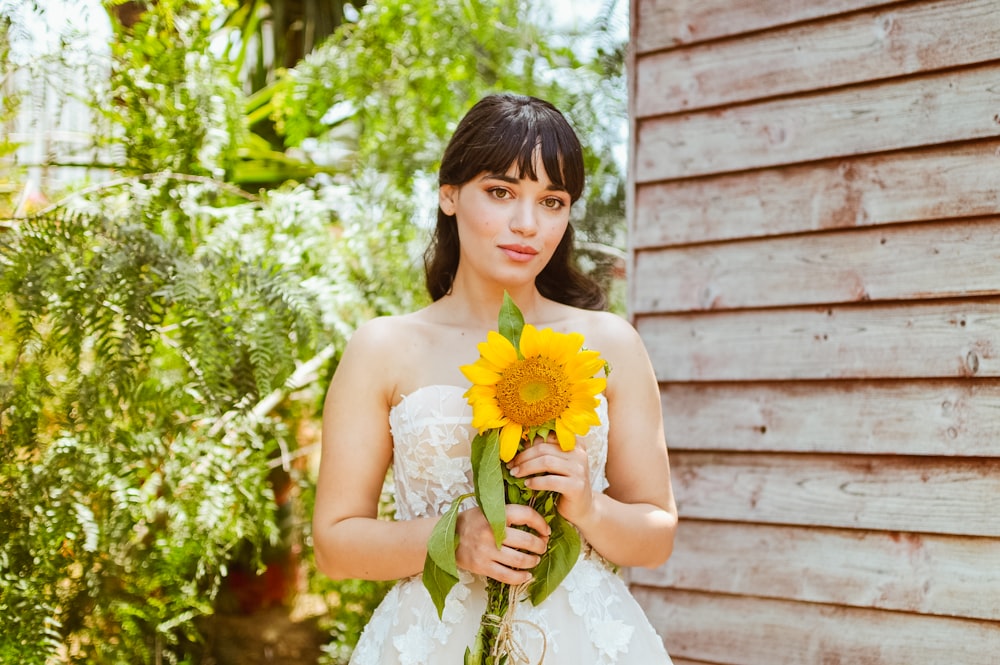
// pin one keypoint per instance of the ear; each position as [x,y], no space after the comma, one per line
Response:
[447,196]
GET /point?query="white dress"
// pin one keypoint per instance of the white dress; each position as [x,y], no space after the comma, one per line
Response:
[591,618]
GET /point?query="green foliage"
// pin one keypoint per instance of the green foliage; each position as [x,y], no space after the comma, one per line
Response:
[9,106]
[152,359]
[176,101]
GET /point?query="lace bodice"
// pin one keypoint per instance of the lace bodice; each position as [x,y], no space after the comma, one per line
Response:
[433,433]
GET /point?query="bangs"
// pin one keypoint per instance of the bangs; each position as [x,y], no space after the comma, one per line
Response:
[518,148]
[512,137]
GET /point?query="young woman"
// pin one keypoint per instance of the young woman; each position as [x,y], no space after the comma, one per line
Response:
[508,178]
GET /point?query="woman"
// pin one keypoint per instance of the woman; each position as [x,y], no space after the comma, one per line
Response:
[508,178]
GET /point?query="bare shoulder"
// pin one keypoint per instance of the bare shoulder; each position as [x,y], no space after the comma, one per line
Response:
[379,333]
[375,355]
[609,333]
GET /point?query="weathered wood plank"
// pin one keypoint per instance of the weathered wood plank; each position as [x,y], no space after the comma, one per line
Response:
[867,46]
[952,181]
[665,23]
[944,418]
[927,495]
[910,572]
[754,631]
[923,340]
[911,262]
[955,105]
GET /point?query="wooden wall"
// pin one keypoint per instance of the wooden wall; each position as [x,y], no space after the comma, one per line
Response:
[815,268]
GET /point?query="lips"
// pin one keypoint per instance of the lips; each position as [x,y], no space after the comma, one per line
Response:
[520,253]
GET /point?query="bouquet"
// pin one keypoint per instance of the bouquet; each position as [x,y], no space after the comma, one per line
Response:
[527,383]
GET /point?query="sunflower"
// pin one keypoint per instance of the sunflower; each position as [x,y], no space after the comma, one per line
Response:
[547,384]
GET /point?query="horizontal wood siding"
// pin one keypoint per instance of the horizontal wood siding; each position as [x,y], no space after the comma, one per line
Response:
[937,108]
[949,417]
[868,190]
[935,260]
[815,269]
[891,570]
[714,628]
[876,45]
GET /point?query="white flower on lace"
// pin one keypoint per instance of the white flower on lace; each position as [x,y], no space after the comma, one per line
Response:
[415,646]
[611,638]
[454,604]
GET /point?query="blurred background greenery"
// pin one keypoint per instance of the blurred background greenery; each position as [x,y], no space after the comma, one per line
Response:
[198,205]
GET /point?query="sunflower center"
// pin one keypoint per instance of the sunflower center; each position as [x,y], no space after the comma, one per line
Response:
[533,391]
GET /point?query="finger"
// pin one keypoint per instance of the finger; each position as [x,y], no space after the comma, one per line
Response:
[507,575]
[566,485]
[525,541]
[519,515]
[558,464]
[518,560]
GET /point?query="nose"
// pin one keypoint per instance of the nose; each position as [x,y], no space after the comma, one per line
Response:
[523,220]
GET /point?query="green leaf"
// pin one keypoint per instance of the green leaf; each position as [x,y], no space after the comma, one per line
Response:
[488,478]
[440,569]
[510,321]
[438,583]
[558,560]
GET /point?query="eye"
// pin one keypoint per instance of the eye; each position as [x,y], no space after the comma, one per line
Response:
[553,203]
[500,193]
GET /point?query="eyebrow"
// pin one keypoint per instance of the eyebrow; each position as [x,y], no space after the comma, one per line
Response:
[503,177]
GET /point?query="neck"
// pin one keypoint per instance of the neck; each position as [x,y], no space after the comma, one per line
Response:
[480,306]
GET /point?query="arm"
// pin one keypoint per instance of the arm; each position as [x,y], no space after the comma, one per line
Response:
[633,523]
[350,540]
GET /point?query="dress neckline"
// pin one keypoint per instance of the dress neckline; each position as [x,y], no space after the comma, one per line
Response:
[429,386]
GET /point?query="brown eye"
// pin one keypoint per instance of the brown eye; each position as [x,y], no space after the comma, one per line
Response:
[499,193]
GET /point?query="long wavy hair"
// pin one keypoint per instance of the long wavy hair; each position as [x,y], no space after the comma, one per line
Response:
[500,130]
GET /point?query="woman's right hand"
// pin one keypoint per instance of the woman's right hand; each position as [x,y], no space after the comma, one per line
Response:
[521,550]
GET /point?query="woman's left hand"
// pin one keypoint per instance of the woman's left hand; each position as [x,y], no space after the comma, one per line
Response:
[546,466]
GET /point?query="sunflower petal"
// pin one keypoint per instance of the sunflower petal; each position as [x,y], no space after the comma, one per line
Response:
[569,344]
[531,342]
[584,365]
[486,415]
[497,350]
[476,373]
[567,439]
[592,387]
[580,421]
[510,436]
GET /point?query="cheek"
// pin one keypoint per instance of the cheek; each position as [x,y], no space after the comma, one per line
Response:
[555,234]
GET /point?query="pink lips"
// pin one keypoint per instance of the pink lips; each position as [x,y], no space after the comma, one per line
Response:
[519,253]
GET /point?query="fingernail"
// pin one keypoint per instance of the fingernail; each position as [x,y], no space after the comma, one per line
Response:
[513,470]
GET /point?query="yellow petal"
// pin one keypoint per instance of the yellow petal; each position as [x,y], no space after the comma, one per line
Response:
[584,365]
[497,350]
[591,387]
[567,440]
[579,421]
[476,373]
[530,341]
[478,392]
[569,344]
[548,344]
[510,437]
[486,415]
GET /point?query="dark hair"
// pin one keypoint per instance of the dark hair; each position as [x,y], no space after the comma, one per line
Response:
[500,130]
